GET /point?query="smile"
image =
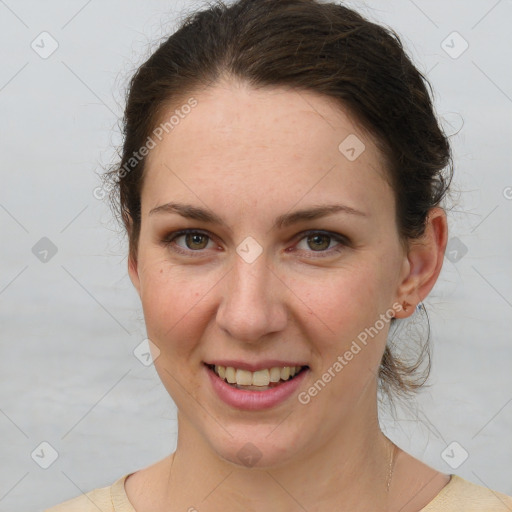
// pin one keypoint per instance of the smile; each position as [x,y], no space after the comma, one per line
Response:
[266,394]
[260,380]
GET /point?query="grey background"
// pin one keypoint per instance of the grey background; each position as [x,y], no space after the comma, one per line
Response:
[69,325]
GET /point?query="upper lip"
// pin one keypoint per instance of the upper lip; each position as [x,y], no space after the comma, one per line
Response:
[254,367]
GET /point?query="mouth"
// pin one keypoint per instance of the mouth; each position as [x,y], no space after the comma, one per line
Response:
[260,380]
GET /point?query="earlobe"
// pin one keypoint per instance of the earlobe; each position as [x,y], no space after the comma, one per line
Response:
[424,262]
[133,272]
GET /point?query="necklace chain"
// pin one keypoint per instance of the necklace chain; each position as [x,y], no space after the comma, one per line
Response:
[390,469]
[391,466]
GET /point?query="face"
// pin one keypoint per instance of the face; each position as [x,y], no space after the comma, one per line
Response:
[255,286]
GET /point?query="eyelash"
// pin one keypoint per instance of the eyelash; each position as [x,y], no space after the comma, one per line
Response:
[168,240]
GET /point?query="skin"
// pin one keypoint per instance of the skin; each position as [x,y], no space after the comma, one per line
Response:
[249,156]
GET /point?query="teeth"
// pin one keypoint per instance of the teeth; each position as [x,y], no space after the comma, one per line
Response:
[243,378]
[221,371]
[275,374]
[259,378]
[231,375]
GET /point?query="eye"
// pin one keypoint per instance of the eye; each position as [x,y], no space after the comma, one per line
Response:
[194,240]
[320,241]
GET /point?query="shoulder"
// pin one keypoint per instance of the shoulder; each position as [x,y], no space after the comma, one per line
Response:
[461,494]
[105,499]
[98,499]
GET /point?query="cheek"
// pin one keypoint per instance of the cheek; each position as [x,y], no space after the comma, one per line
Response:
[169,300]
[344,310]
[174,313]
[341,301]
[174,302]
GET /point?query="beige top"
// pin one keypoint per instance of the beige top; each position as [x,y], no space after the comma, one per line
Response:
[457,496]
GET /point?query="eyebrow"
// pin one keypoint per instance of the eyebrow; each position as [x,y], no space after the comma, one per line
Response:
[201,214]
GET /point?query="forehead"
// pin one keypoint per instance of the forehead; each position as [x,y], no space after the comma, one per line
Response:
[247,141]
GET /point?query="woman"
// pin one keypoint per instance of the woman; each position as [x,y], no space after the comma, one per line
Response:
[281,184]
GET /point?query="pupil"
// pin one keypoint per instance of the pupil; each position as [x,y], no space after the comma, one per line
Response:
[195,237]
[316,237]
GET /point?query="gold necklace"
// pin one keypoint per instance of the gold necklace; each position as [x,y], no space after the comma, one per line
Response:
[390,469]
[391,466]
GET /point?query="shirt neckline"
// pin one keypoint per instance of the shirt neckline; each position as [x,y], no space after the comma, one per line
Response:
[118,496]
[454,480]
[121,503]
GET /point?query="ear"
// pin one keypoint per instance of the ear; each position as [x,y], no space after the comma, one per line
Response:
[133,270]
[423,262]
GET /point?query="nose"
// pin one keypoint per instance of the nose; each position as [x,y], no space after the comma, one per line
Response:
[253,304]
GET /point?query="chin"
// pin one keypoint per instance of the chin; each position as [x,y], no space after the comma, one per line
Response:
[264,449]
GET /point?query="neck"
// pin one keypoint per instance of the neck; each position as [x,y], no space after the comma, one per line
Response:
[349,467]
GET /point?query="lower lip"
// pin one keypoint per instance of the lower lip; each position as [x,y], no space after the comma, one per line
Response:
[254,400]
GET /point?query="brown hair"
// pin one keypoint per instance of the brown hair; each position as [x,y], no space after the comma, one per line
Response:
[307,45]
